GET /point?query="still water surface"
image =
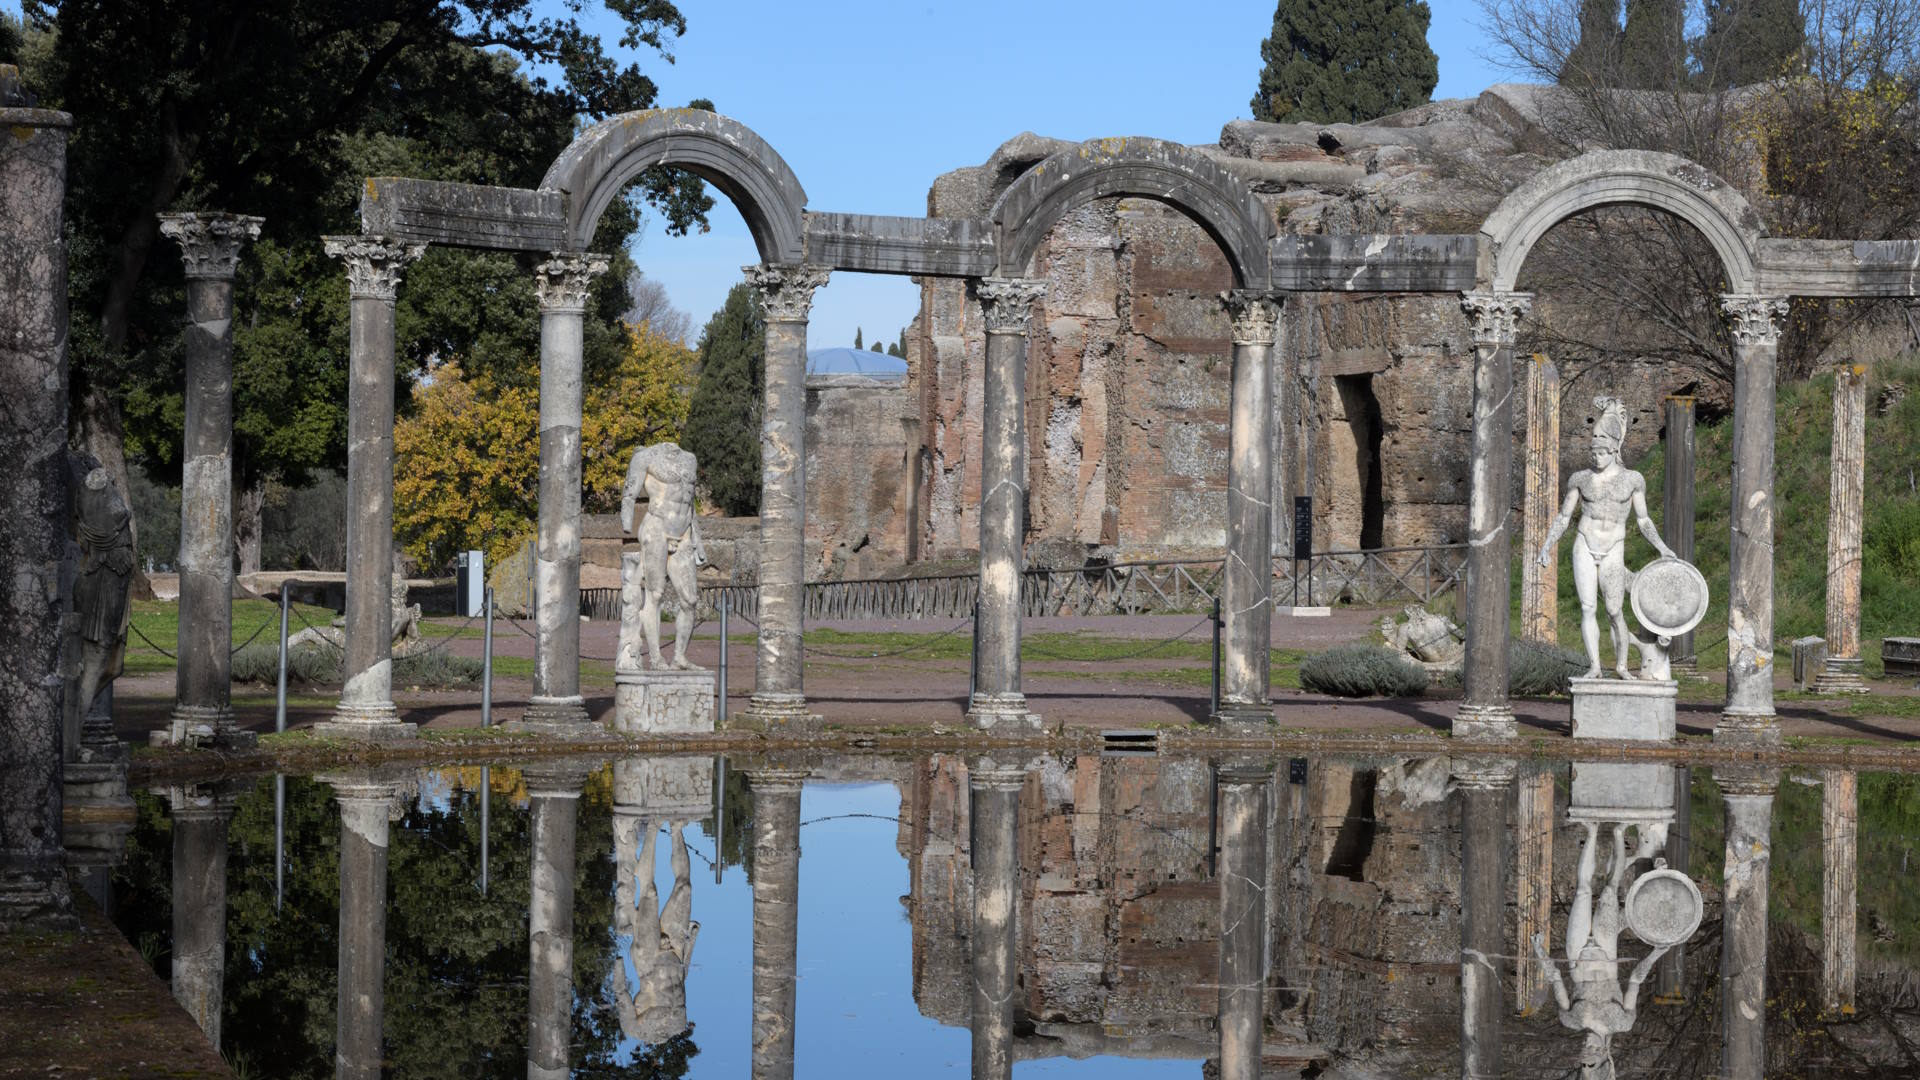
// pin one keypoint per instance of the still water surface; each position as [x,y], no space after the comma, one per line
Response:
[499,921]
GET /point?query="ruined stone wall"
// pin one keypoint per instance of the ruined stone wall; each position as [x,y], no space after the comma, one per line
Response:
[858,461]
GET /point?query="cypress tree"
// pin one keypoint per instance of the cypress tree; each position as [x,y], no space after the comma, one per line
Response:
[1653,51]
[1594,59]
[856,339]
[1345,61]
[1750,41]
[723,419]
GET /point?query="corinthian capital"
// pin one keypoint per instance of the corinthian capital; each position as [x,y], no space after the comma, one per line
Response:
[1007,303]
[563,280]
[1754,320]
[373,263]
[1495,316]
[786,292]
[210,243]
[1256,316]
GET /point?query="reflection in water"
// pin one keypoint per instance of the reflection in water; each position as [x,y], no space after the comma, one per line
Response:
[1338,917]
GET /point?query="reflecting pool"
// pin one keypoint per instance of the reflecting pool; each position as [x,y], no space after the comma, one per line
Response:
[1072,915]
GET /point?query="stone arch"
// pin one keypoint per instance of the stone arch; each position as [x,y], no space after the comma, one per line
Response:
[1167,172]
[1614,177]
[724,152]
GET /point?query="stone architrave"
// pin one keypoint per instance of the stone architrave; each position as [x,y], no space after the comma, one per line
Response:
[366,709]
[1748,713]
[998,701]
[779,695]
[563,283]
[1247,593]
[1495,319]
[1845,523]
[1540,583]
[650,696]
[1676,513]
[33,503]
[202,711]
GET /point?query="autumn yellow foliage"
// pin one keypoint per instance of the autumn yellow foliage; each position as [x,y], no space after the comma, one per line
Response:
[467,461]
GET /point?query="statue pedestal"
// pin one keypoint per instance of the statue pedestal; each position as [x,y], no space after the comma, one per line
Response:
[664,788]
[1624,709]
[1621,792]
[662,701]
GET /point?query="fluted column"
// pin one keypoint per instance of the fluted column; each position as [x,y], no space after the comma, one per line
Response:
[1748,713]
[1247,592]
[366,708]
[367,808]
[996,957]
[1495,318]
[1676,513]
[1839,889]
[1540,585]
[776,917]
[202,710]
[779,697]
[200,815]
[563,283]
[1747,794]
[1845,522]
[33,503]
[1242,873]
[1484,787]
[553,795]
[998,701]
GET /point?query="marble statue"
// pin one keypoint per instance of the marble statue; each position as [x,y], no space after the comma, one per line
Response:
[406,638]
[1604,496]
[670,555]
[1597,1005]
[654,1008]
[102,527]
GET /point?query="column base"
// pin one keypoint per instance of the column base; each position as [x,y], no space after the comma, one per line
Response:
[36,898]
[1002,713]
[1740,727]
[1841,675]
[1248,717]
[775,714]
[1485,722]
[203,727]
[365,723]
[94,784]
[556,717]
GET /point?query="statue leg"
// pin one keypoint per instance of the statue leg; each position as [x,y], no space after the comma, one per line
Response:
[687,602]
[1580,917]
[1586,582]
[655,575]
[632,603]
[1613,586]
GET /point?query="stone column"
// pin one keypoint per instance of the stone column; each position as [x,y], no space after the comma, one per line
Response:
[1247,591]
[1677,505]
[779,697]
[553,794]
[996,898]
[33,503]
[776,917]
[1484,787]
[1747,793]
[200,815]
[1007,304]
[1533,884]
[556,706]
[1670,976]
[1839,890]
[367,808]
[1242,874]
[203,679]
[1845,522]
[1748,713]
[1540,585]
[1495,318]
[366,701]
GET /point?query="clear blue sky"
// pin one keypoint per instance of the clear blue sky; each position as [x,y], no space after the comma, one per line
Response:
[869,101]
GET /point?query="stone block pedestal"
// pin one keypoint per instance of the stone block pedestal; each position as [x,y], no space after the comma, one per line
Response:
[661,701]
[1624,709]
[1621,792]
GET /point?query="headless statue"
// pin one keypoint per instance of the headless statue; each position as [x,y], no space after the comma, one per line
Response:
[1604,496]
[102,526]
[670,554]
[655,1008]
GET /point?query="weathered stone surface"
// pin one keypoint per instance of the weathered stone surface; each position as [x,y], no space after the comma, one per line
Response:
[1791,267]
[1845,524]
[1676,516]
[463,215]
[650,702]
[874,244]
[1539,581]
[862,451]
[1755,323]
[1624,709]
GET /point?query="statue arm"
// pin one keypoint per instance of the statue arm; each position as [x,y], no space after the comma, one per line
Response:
[636,486]
[1640,972]
[1560,524]
[1646,521]
[1553,972]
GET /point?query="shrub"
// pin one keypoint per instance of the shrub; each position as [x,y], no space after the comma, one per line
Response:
[438,670]
[308,665]
[1536,669]
[1361,671]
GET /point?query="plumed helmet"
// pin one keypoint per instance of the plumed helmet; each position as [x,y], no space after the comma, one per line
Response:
[1610,429]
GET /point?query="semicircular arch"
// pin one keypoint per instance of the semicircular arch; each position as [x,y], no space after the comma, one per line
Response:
[1145,168]
[1620,177]
[606,157]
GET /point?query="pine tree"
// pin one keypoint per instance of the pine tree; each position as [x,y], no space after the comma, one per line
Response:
[1750,41]
[856,339]
[723,420]
[1345,61]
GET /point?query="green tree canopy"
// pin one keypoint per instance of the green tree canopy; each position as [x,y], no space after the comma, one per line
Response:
[1345,61]
[1750,41]
[723,420]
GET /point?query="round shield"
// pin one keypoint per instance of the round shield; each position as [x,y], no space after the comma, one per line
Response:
[1663,907]
[1669,597]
